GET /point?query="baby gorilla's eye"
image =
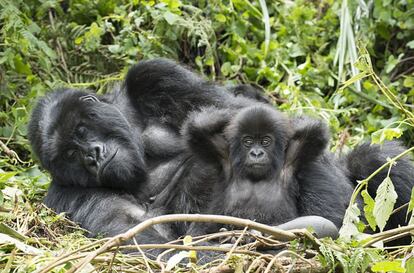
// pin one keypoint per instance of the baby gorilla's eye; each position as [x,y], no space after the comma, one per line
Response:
[266,141]
[248,141]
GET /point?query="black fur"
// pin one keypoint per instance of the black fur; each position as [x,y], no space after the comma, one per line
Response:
[366,159]
[271,182]
[96,159]
[122,149]
[250,91]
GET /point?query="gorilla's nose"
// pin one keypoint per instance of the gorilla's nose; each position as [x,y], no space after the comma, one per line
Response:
[96,151]
[256,153]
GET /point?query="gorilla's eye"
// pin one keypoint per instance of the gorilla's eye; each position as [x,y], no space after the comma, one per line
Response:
[248,141]
[266,141]
[80,132]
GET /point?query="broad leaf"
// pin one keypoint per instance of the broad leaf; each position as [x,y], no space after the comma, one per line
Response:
[349,228]
[384,202]
[387,266]
[368,209]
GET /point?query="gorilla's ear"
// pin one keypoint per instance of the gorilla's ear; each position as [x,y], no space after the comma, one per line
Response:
[309,140]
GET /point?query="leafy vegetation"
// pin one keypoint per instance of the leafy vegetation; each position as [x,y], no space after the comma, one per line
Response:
[348,62]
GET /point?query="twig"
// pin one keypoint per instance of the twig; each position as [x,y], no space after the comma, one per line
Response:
[186,247]
[119,239]
[256,261]
[233,248]
[10,153]
[59,47]
[143,256]
[399,208]
[387,234]
[57,261]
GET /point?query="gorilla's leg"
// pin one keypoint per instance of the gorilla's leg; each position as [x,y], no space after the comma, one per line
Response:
[321,226]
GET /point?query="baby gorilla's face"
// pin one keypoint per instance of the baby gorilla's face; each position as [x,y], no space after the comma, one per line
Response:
[258,138]
[257,150]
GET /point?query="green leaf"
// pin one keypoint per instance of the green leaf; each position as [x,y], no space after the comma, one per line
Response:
[21,67]
[410,208]
[411,44]
[408,82]
[411,203]
[386,134]
[384,202]
[349,227]
[170,17]
[5,229]
[4,177]
[114,48]
[387,266]
[409,265]
[368,209]
[226,69]
[220,17]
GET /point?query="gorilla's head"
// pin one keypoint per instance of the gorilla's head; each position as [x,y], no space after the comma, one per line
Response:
[258,138]
[83,141]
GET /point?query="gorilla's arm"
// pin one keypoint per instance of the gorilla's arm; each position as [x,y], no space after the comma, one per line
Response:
[309,140]
[203,133]
[161,142]
[102,211]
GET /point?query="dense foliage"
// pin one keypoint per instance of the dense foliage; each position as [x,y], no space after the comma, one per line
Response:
[300,52]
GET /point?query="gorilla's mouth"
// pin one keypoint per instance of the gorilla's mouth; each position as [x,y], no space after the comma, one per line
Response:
[106,163]
[257,165]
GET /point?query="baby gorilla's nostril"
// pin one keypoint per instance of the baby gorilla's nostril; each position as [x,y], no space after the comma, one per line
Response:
[256,153]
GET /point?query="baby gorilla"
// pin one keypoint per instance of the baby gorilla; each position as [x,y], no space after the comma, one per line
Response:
[273,169]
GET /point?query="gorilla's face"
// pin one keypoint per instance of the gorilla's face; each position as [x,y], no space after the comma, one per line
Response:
[258,138]
[257,151]
[83,141]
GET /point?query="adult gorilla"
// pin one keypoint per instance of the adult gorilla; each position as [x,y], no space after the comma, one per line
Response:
[109,154]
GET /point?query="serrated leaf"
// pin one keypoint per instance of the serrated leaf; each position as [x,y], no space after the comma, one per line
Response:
[368,209]
[384,202]
[349,227]
[387,266]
